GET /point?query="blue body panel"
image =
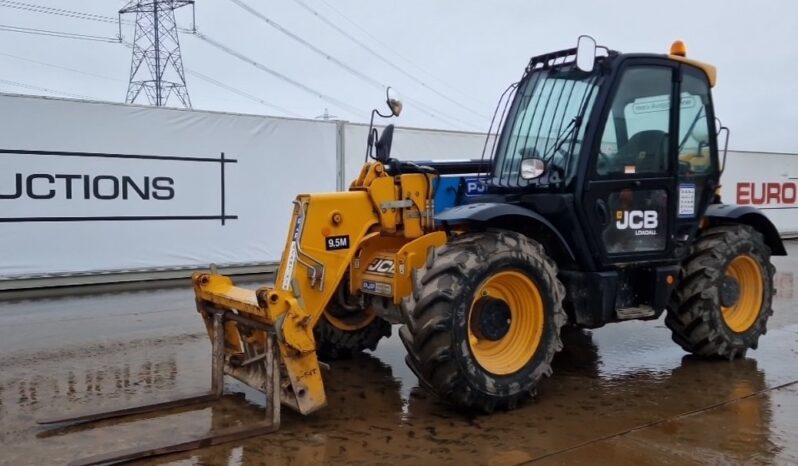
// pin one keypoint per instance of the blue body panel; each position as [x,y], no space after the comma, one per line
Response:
[446,190]
[452,191]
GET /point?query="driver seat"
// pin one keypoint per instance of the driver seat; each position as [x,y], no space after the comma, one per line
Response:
[647,151]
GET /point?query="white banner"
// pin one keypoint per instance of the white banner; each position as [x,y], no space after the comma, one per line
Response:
[59,186]
[766,181]
[91,187]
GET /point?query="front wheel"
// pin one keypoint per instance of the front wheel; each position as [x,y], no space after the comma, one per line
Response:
[346,329]
[483,321]
[723,301]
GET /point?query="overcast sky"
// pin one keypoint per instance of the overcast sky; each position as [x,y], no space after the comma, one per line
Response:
[467,51]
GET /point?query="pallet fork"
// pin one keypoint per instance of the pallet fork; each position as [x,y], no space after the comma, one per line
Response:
[259,361]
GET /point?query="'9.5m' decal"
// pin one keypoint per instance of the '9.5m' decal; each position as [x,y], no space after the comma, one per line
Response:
[334,243]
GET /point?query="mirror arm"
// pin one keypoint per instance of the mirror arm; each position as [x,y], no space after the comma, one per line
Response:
[370,140]
[373,136]
[725,147]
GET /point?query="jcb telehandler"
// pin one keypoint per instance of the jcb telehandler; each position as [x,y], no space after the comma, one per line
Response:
[598,202]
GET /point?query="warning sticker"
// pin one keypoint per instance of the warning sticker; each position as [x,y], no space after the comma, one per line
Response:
[686,200]
[293,253]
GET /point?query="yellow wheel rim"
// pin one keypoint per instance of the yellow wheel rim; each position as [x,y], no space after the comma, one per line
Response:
[740,316]
[513,295]
[352,322]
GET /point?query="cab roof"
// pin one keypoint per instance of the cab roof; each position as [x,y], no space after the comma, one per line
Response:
[560,57]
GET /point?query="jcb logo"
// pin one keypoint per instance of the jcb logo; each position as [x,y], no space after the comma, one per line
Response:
[381,266]
[636,219]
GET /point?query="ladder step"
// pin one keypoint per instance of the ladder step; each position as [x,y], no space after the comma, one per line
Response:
[638,312]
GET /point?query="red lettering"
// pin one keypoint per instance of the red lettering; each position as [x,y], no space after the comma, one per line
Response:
[760,199]
[773,193]
[788,193]
[767,193]
[743,193]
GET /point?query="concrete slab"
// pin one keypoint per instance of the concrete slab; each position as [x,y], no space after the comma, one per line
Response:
[623,394]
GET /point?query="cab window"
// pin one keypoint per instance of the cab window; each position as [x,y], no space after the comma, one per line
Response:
[694,126]
[635,138]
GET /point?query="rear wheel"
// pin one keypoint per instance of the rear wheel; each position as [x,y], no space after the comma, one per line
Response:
[345,329]
[483,321]
[723,301]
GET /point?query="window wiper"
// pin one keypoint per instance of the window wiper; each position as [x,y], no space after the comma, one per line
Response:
[565,134]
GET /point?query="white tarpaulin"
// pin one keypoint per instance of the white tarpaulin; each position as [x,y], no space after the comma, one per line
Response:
[96,187]
[766,181]
[91,187]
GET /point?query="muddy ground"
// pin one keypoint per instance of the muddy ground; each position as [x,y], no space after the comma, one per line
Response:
[623,394]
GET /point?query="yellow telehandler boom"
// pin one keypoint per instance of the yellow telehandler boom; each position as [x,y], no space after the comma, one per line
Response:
[331,236]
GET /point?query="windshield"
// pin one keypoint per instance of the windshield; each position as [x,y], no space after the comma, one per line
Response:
[544,121]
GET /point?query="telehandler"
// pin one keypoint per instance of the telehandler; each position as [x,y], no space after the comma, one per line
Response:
[596,201]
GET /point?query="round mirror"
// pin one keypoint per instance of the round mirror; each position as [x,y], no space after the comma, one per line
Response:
[532,168]
[394,102]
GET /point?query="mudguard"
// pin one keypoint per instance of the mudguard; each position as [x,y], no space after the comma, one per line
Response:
[752,216]
[486,211]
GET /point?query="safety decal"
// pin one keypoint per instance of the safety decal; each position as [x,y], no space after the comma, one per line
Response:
[290,262]
[686,200]
[334,243]
[376,287]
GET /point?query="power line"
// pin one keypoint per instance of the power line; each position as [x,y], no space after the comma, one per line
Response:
[338,103]
[72,13]
[192,72]
[101,18]
[302,41]
[66,68]
[373,82]
[241,93]
[59,34]
[57,11]
[431,112]
[380,57]
[129,45]
[227,87]
[392,50]
[43,89]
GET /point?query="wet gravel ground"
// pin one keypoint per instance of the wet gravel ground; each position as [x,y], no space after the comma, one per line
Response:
[622,394]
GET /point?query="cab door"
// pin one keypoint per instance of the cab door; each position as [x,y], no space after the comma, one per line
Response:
[630,195]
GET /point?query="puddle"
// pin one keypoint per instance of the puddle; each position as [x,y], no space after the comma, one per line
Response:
[622,394]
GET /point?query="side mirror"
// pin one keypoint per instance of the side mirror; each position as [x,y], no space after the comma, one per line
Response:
[384,144]
[585,53]
[393,101]
[532,168]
